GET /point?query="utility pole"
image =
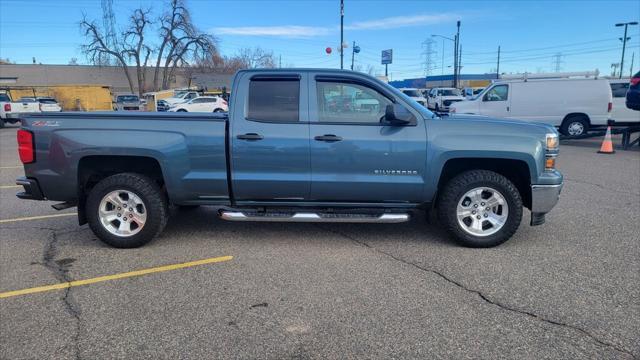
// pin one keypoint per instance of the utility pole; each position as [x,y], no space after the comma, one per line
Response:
[633,55]
[341,34]
[455,56]
[353,54]
[624,43]
[498,66]
[280,61]
[459,63]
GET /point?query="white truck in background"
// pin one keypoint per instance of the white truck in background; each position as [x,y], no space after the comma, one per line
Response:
[11,112]
[573,105]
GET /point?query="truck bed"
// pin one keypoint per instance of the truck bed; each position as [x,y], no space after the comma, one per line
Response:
[190,150]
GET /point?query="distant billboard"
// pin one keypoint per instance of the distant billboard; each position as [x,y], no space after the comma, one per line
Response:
[387,56]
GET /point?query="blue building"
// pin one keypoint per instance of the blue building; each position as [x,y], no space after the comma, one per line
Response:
[465,80]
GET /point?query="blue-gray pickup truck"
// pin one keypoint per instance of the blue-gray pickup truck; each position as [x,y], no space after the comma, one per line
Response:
[297,145]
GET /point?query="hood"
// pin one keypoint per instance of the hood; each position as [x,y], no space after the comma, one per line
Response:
[525,126]
[452,97]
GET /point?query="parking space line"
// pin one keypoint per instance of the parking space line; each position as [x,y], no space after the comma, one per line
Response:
[10,186]
[114,277]
[10,167]
[2,221]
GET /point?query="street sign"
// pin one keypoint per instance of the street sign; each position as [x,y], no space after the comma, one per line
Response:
[387,56]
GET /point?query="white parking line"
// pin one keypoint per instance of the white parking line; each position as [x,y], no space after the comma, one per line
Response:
[2,221]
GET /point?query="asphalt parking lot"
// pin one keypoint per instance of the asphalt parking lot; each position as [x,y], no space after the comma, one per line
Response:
[567,289]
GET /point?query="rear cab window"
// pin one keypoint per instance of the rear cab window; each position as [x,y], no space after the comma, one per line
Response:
[619,90]
[273,99]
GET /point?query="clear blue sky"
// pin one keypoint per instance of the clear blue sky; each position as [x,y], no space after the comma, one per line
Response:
[529,32]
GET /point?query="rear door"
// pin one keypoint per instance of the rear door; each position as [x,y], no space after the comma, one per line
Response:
[356,158]
[495,102]
[269,138]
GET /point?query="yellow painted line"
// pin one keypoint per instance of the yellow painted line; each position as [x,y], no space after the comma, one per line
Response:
[11,167]
[2,221]
[10,186]
[114,277]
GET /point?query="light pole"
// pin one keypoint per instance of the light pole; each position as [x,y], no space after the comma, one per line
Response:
[341,34]
[354,50]
[456,69]
[443,39]
[624,42]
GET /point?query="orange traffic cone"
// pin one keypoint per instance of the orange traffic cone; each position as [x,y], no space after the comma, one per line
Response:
[607,144]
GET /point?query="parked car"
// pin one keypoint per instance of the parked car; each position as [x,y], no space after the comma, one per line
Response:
[633,95]
[573,105]
[471,92]
[620,113]
[12,112]
[128,102]
[281,154]
[46,104]
[415,94]
[440,99]
[162,105]
[202,104]
[181,97]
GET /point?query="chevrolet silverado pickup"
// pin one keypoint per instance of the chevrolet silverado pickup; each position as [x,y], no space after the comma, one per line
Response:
[297,145]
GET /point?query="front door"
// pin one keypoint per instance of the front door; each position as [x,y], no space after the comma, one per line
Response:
[354,156]
[495,102]
[270,139]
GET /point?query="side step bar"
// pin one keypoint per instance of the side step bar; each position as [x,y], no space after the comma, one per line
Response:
[314,217]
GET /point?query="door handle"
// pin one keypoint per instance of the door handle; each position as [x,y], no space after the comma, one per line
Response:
[250,137]
[328,138]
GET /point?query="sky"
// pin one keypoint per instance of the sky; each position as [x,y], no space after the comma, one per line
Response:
[531,34]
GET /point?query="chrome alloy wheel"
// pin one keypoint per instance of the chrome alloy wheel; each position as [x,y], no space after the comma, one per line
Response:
[575,128]
[122,213]
[482,211]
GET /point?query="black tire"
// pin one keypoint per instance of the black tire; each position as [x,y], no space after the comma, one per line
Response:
[218,110]
[151,195]
[437,109]
[570,123]
[1,123]
[181,110]
[457,187]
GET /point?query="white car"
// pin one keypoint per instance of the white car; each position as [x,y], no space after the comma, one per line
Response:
[573,105]
[45,103]
[415,94]
[12,111]
[181,97]
[440,99]
[202,104]
[620,112]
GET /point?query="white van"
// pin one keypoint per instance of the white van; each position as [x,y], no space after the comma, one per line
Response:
[573,105]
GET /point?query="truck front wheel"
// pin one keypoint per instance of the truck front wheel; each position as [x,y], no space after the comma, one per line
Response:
[480,208]
[126,210]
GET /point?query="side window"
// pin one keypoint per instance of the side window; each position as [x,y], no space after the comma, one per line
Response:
[190,96]
[619,90]
[349,103]
[497,93]
[274,100]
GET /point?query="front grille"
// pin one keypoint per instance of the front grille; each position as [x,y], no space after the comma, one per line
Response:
[131,108]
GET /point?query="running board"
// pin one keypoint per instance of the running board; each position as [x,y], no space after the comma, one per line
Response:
[314,217]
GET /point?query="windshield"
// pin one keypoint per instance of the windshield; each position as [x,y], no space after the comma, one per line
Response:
[412,93]
[450,92]
[5,97]
[127,98]
[47,101]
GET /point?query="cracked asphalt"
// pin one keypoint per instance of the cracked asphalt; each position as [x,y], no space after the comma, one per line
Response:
[567,289]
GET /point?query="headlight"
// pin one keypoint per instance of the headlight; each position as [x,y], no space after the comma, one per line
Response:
[552,142]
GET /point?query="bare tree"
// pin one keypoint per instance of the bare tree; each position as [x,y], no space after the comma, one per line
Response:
[181,43]
[134,46]
[257,58]
[97,50]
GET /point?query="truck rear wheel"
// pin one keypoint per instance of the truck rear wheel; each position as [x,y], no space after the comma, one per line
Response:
[480,208]
[126,210]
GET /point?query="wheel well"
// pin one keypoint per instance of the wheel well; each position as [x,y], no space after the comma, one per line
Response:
[517,171]
[583,115]
[92,169]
